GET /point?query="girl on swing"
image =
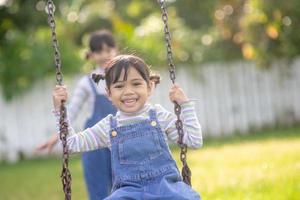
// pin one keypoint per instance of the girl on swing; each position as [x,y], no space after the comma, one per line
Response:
[137,135]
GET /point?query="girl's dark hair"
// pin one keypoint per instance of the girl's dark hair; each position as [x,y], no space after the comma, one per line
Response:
[100,38]
[124,62]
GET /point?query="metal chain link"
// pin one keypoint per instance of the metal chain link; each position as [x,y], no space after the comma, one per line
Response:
[186,172]
[63,126]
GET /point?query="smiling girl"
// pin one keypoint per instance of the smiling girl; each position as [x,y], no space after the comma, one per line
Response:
[137,135]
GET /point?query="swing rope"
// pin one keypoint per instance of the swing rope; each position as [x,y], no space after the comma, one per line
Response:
[186,172]
[63,125]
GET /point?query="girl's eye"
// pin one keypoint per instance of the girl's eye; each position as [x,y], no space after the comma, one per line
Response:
[137,83]
[118,86]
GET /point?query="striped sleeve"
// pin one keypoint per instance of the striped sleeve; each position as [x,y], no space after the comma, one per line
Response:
[191,126]
[90,139]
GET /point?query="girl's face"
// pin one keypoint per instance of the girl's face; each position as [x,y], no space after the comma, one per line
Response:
[101,57]
[131,95]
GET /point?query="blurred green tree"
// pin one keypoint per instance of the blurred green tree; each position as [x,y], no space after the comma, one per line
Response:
[261,31]
[25,49]
[202,31]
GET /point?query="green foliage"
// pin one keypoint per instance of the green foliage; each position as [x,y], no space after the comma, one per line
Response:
[262,31]
[28,57]
[26,53]
[202,31]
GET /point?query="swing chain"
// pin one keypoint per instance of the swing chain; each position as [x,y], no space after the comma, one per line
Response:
[63,125]
[50,10]
[168,40]
[186,172]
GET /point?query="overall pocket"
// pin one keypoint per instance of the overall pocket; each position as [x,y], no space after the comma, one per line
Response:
[140,150]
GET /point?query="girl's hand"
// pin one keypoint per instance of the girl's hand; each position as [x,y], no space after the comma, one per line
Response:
[59,94]
[177,94]
[48,145]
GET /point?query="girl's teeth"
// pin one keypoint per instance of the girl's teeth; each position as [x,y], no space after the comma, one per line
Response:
[129,102]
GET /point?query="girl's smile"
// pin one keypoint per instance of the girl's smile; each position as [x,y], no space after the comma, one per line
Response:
[129,102]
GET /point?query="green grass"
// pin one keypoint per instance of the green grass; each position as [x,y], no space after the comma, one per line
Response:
[260,166]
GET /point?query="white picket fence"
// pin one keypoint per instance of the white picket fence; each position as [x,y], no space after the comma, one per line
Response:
[229,98]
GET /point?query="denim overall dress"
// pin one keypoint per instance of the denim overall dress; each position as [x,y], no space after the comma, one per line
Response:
[142,166]
[97,163]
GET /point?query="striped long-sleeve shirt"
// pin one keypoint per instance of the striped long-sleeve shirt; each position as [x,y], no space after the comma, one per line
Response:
[98,136]
[83,93]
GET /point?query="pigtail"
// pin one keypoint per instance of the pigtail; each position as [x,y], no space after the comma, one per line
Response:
[88,55]
[98,77]
[155,78]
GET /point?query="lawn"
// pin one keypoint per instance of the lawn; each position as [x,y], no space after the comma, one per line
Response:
[259,166]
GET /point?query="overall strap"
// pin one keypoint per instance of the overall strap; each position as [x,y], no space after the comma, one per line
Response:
[113,122]
[92,84]
[152,114]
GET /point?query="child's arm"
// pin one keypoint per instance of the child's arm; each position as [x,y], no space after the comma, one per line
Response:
[49,144]
[90,139]
[78,98]
[191,126]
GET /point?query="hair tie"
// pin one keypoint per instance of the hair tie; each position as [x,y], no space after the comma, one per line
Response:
[98,77]
[88,55]
[155,79]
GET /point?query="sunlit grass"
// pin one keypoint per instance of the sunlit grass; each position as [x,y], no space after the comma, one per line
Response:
[265,170]
[265,165]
